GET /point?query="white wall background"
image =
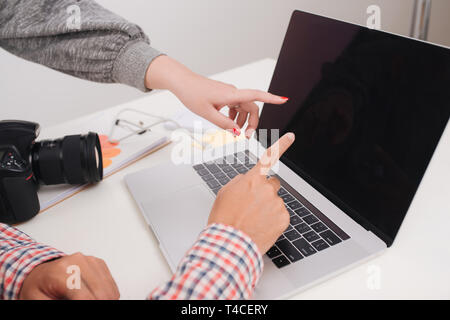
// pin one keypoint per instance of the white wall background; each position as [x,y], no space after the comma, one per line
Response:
[209,36]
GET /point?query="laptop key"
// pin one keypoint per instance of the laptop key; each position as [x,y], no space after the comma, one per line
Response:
[273,252]
[213,168]
[229,159]
[288,228]
[248,162]
[291,213]
[294,205]
[242,170]
[281,261]
[289,250]
[208,177]
[240,156]
[232,174]
[287,198]
[292,235]
[281,238]
[319,227]
[220,163]
[249,166]
[236,165]
[295,220]
[282,191]
[203,172]
[304,247]
[330,237]
[302,212]
[224,181]
[213,184]
[251,156]
[310,219]
[198,167]
[311,236]
[302,228]
[227,168]
[320,245]
[220,175]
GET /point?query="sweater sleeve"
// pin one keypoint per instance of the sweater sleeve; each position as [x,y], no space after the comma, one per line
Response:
[79,38]
[19,254]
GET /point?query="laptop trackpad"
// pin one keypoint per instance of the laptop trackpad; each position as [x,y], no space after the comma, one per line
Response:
[178,218]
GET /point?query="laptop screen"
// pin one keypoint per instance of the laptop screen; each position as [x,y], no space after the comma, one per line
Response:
[368,109]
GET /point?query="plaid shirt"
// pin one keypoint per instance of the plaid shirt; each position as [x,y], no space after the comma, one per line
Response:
[19,254]
[223,263]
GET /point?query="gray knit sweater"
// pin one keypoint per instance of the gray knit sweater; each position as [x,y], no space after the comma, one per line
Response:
[79,38]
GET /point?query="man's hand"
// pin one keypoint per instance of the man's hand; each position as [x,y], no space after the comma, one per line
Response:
[206,97]
[49,280]
[250,202]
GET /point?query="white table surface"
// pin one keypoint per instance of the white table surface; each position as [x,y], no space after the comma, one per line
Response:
[105,222]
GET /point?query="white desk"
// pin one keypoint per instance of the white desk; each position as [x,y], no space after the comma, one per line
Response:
[104,221]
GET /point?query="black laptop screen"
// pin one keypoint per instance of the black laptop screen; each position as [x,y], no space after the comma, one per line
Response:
[368,109]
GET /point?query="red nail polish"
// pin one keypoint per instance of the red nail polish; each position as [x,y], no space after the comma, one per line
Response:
[236,132]
[285,98]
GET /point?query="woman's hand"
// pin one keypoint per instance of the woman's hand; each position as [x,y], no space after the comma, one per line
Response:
[250,202]
[206,97]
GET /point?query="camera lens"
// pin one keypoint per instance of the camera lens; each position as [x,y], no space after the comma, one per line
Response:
[73,159]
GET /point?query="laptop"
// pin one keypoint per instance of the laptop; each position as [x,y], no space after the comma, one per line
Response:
[368,109]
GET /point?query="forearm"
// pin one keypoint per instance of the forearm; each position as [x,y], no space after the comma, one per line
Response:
[224,263]
[168,74]
[19,255]
[105,47]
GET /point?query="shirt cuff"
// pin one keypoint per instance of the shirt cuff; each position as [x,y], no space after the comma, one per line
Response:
[237,256]
[132,63]
[17,264]
[240,254]
[224,263]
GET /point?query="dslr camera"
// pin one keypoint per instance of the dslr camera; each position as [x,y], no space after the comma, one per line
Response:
[25,164]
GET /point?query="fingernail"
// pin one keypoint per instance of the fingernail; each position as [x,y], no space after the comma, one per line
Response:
[249,133]
[285,98]
[236,132]
[290,136]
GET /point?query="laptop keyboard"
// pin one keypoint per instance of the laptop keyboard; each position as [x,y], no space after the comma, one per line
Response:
[309,231]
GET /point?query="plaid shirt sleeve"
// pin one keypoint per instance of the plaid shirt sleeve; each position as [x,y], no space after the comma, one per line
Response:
[224,263]
[19,254]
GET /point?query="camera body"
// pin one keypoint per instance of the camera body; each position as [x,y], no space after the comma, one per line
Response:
[18,188]
[25,164]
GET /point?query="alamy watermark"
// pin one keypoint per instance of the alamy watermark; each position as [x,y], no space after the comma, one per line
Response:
[74,279]
[374,277]
[374,18]
[191,148]
[73,22]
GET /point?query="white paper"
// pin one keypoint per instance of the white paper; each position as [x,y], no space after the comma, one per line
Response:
[126,152]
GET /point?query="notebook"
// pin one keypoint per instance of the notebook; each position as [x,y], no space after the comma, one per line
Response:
[115,156]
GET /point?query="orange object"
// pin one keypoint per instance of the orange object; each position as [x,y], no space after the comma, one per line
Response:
[109,150]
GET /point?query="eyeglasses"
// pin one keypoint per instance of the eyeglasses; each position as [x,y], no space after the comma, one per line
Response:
[139,127]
